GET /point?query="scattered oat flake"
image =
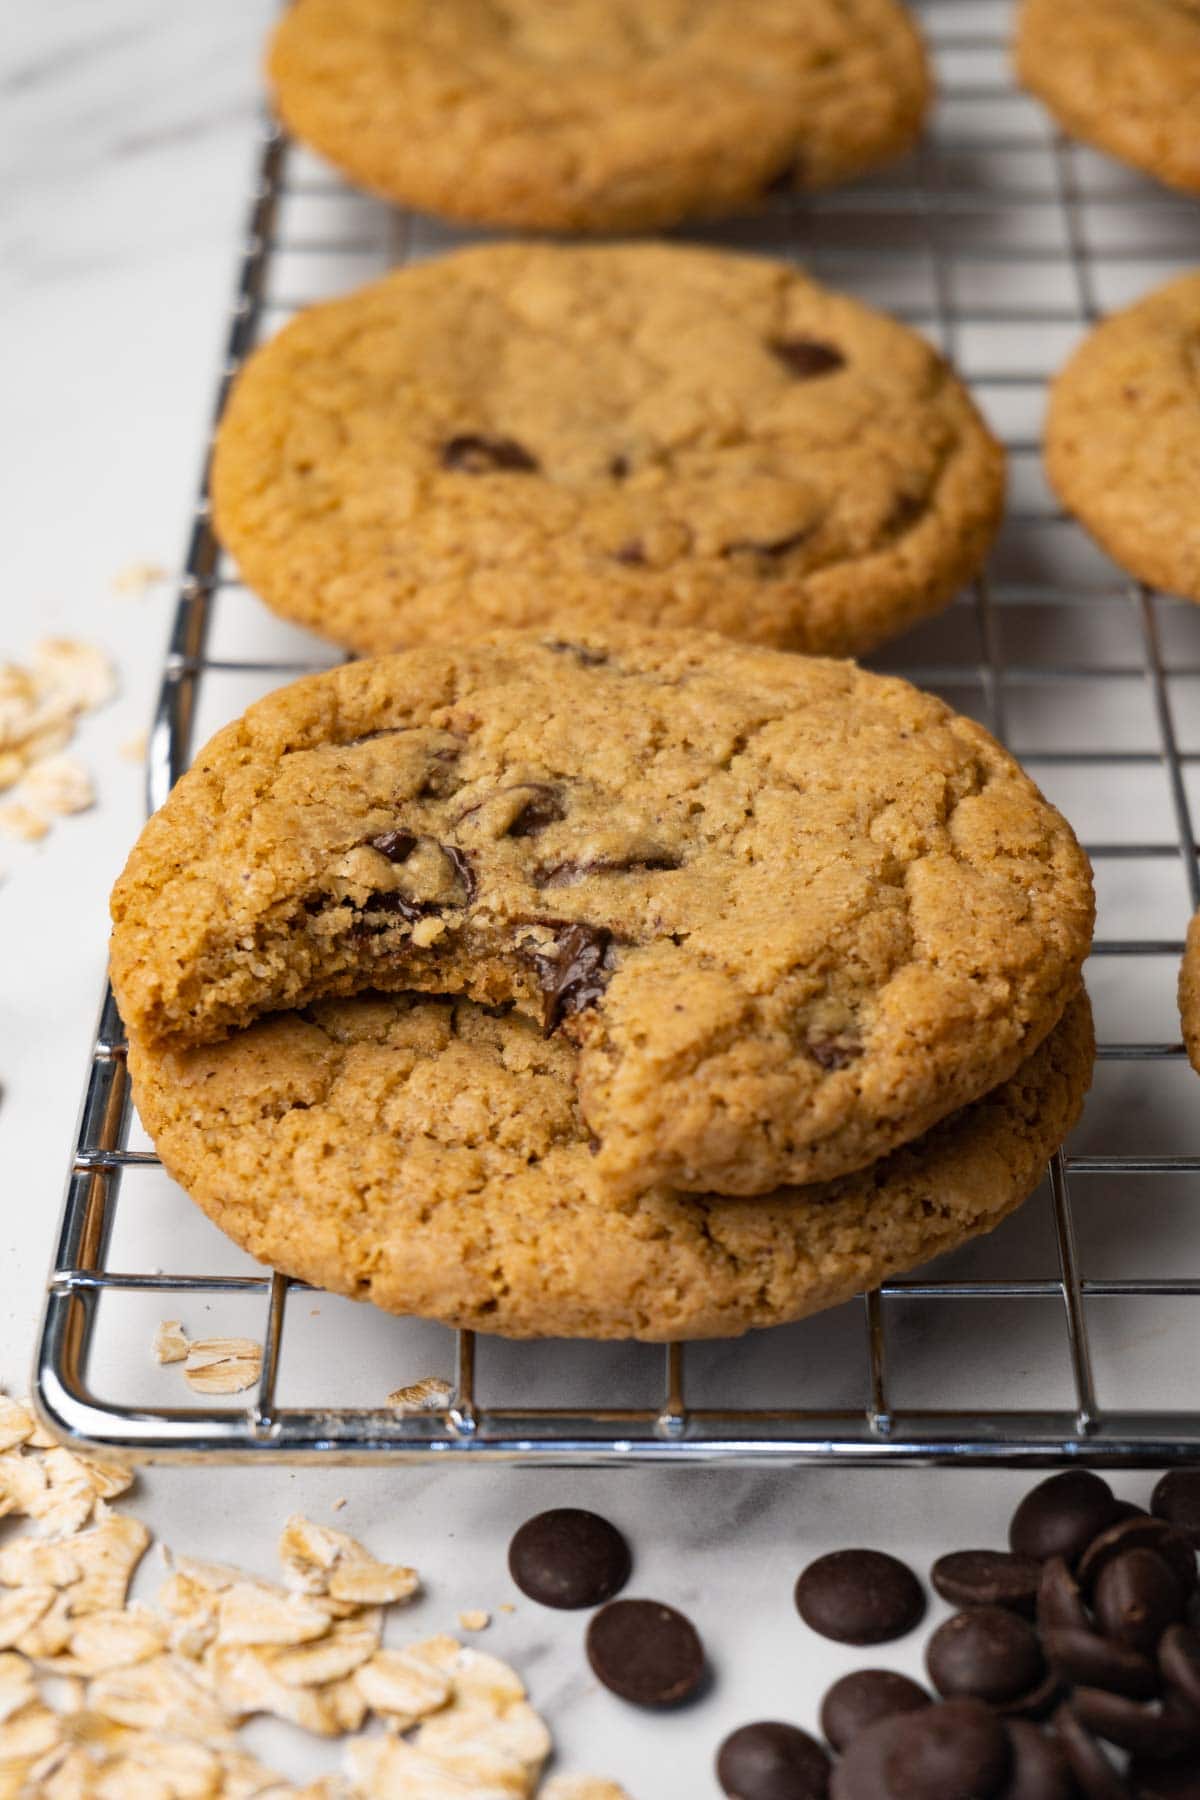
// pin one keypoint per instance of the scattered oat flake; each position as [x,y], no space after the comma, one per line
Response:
[222,1365]
[430,1394]
[474,1620]
[77,675]
[103,1699]
[16,1423]
[137,578]
[22,823]
[171,1343]
[133,749]
[58,785]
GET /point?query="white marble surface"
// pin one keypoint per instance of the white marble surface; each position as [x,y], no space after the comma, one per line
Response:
[127,135]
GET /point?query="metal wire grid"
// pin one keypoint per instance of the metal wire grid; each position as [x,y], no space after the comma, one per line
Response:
[921,219]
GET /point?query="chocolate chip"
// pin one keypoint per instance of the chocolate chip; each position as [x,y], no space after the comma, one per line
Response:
[1036,1702]
[864,1697]
[1163,1730]
[1061,1516]
[834,1052]
[806,358]
[1039,1768]
[1095,1775]
[987,1578]
[568,1558]
[1059,1602]
[645,1652]
[397,846]
[1179,1660]
[959,1749]
[618,467]
[859,1597]
[544,807]
[461,864]
[476,455]
[1095,1661]
[987,1653]
[1136,1598]
[775,547]
[391,900]
[566,874]
[1177,1500]
[632,552]
[573,973]
[858,1775]
[1140,1533]
[770,1761]
[588,659]
[906,510]
[1154,1781]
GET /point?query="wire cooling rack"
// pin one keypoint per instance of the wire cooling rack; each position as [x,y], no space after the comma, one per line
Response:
[1074,1330]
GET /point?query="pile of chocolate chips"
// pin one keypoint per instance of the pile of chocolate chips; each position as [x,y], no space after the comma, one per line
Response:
[1070,1672]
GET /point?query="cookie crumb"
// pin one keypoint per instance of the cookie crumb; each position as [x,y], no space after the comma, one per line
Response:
[337,1505]
[133,749]
[475,1619]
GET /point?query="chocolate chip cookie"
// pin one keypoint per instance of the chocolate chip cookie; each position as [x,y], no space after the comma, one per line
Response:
[1123,436]
[1123,75]
[521,434]
[598,115]
[791,913]
[429,1155]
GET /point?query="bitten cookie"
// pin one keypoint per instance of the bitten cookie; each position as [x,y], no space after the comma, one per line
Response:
[791,913]
[1123,436]
[520,434]
[1189,993]
[429,1156]
[1123,75]
[598,115]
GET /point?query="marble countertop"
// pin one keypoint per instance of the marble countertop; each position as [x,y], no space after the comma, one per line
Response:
[129,137]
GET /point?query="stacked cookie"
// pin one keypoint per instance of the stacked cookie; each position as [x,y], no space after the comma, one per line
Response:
[640,984]
[569,968]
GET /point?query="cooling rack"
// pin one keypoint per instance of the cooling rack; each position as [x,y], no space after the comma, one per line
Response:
[1074,1330]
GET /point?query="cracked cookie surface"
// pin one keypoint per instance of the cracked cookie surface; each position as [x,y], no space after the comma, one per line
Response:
[522,434]
[1123,436]
[1123,75]
[791,913]
[598,115]
[430,1157]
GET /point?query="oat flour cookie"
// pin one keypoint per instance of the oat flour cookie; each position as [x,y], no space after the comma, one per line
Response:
[598,115]
[1123,436]
[1123,75]
[523,433]
[791,913]
[429,1156]
[1189,993]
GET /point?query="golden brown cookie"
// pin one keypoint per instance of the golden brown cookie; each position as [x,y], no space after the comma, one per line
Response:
[1189,993]
[521,434]
[792,913]
[1123,75]
[429,1156]
[1123,436]
[598,115]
